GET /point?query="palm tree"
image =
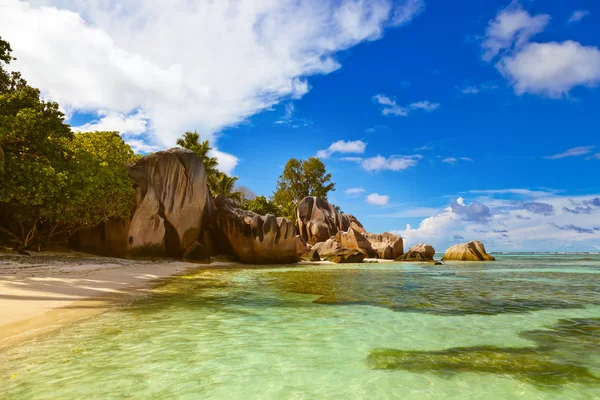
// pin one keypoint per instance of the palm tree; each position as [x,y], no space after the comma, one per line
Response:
[191,141]
[226,187]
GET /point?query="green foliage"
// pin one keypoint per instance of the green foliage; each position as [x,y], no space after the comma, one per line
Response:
[262,206]
[191,141]
[301,178]
[225,185]
[53,181]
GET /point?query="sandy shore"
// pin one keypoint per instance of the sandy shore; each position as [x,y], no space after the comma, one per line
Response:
[43,292]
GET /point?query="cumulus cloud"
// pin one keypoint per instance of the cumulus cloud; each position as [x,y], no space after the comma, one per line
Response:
[191,66]
[345,147]
[390,107]
[393,163]
[511,28]
[378,199]
[133,124]
[572,152]
[501,225]
[577,16]
[548,69]
[552,69]
[354,192]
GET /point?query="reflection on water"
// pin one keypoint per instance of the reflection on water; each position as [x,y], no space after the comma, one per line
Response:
[522,327]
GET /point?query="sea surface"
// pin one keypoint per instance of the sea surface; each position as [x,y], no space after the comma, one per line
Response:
[524,327]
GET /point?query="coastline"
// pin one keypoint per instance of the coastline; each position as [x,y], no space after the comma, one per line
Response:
[44,292]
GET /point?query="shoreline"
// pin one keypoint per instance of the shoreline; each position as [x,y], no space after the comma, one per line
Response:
[47,291]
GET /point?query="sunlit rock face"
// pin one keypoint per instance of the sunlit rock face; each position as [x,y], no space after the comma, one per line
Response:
[420,252]
[253,238]
[472,251]
[387,246]
[318,220]
[172,206]
[331,250]
[353,239]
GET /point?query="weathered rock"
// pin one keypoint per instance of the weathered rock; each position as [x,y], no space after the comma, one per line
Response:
[386,245]
[253,238]
[353,239]
[312,255]
[172,203]
[301,246]
[420,252]
[472,251]
[318,220]
[331,250]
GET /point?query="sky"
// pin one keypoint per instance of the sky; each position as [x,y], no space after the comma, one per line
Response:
[442,121]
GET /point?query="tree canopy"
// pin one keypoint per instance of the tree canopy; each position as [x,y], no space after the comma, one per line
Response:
[301,178]
[53,181]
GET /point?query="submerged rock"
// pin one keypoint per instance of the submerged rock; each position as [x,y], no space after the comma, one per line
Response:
[318,220]
[420,252]
[172,203]
[387,246]
[334,252]
[253,238]
[472,251]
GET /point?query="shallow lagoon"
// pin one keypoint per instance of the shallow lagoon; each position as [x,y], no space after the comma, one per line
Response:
[526,326]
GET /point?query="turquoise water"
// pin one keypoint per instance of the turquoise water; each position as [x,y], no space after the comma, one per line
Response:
[525,326]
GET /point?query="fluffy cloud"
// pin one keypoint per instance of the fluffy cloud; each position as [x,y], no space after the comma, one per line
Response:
[505,225]
[345,147]
[354,192]
[572,152]
[549,69]
[552,69]
[393,163]
[511,28]
[378,199]
[190,66]
[390,107]
[578,16]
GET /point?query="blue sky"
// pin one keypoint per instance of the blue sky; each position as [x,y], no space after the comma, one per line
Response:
[470,122]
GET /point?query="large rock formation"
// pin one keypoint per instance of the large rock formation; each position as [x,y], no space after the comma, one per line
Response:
[420,252]
[318,220]
[472,251]
[386,245]
[253,238]
[172,204]
[331,250]
[353,239]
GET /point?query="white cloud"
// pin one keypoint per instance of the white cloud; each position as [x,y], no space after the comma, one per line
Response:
[577,16]
[450,160]
[454,160]
[141,147]
[193,65]
[354,192]
[390,107]
[345,147]
[511,28]
[227,162]
[132,124]
[548,69]
[475,89]
[511,225]
[377,199]
[552,69]
[393,163]
[572,152]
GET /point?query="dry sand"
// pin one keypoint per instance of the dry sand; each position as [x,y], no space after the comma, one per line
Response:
[43,292]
